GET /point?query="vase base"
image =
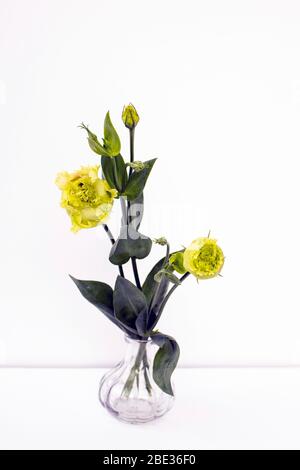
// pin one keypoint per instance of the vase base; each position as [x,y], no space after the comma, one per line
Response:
[135,410]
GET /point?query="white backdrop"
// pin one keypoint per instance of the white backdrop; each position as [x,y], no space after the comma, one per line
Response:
[217,86]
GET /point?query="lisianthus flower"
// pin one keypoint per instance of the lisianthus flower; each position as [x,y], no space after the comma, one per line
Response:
[87,199]
[203,258]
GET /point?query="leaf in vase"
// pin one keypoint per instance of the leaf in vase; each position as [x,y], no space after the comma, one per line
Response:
[165,361]
[130,305]
[100,295]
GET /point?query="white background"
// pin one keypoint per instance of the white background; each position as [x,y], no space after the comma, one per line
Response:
[217,86]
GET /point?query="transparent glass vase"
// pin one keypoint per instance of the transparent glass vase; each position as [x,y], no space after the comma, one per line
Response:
[128,391]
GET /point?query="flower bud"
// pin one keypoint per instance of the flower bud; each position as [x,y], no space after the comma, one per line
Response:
[137,165]
[160,241]
[130,116]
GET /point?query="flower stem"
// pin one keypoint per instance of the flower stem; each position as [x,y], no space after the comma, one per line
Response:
[167,298]
[133,259]
[159,287]
[134,372]
[131,136]
[136,273]
[110,235]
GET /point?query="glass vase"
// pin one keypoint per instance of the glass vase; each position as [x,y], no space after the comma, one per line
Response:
[128,391]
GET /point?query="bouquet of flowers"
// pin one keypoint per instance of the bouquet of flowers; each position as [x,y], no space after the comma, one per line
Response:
[88,196]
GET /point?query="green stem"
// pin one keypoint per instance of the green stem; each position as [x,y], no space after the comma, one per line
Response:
[159,287]
[110,235]
[133,259]
[136,273]
[134,370]
[146,368]
[167,298]
[131,136]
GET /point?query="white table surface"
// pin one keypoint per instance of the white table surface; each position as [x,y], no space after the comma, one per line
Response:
[216,408]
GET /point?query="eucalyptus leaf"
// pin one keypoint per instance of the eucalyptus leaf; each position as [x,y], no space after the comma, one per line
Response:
[165,361]
[129,302]
[137,181]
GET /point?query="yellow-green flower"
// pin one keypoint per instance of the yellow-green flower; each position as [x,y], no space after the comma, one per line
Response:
[130,116]
[87,199]
[203,258]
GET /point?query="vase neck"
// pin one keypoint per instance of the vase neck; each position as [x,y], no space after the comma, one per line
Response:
[136,349]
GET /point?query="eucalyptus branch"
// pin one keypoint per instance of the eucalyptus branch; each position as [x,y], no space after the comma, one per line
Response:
[110,235]
[167,298]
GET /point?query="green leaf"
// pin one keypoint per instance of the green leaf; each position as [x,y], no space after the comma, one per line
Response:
[167,272]
[112,142]
[129,244]
[129,302]
[108,171]
[176,261]
[114,171]
[165,361]
[150,285]
[136,211]
[100,295]
[142,322]
[94,142]
[137,181]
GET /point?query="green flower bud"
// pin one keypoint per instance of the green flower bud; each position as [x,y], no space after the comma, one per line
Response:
[130,116]
[137,165]
[160,241]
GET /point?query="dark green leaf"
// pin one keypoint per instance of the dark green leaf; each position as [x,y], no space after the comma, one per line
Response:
[165,361]
[129,244]
[100,295]
[137,181]
[129,302]
[167,272]
[142,322]
[112,142]
[114,171]
[150,286]
[155,291]
[136,211]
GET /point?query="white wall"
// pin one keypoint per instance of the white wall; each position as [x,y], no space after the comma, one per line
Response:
[217,85]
